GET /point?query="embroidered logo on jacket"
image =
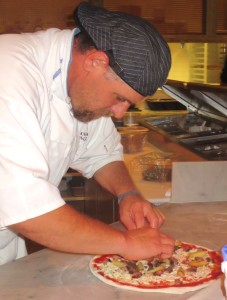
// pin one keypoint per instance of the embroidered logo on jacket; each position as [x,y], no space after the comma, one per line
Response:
[84,136]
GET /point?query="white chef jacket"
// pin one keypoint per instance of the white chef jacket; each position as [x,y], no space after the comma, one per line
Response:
[39,137]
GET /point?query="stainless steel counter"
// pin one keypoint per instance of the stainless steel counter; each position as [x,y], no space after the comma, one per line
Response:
[51,275]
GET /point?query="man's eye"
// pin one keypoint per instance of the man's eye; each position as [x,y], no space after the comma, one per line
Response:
[122,100]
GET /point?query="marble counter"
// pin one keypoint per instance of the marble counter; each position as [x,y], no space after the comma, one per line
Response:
[50,275]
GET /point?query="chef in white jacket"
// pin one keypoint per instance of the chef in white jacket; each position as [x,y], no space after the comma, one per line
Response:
[58,89]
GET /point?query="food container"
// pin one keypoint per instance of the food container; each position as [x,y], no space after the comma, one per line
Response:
[133,138]
[131,118]
[153,166]
[164,104]
[159,170]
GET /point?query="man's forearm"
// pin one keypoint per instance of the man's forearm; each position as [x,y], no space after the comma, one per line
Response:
[64,229]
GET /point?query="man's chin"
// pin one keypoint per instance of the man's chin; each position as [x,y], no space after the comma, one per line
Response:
[86,117]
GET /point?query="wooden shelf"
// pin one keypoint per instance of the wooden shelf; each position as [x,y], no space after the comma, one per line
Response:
[72,173]
[75,198]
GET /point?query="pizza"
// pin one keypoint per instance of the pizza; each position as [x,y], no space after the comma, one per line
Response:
[190,268]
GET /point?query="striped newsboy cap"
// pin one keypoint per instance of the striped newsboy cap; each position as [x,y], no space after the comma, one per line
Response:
[138,53]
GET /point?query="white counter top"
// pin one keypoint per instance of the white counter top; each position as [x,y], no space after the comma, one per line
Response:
[49,275]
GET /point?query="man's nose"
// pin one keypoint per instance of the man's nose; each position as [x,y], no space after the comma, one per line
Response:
[119,109]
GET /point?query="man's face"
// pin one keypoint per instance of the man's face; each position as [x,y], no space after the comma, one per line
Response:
[97,93]
[102,101]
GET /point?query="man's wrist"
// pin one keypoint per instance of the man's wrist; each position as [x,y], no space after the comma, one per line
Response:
[128,193]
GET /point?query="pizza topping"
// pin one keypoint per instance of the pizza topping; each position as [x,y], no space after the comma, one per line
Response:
[178,282]
[197,264]
[134,269]
[118,263]
[158,270]
[188,266]
[180,272]
[197,254]
[192,269]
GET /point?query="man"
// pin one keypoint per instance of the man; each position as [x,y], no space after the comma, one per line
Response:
[58,90]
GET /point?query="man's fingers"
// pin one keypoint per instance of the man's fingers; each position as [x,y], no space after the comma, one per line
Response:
[155,218]
[166,239]
[167,245]
[128,222]
[139,219]
[167,251]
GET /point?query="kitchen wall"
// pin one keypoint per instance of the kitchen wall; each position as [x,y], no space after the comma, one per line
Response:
[180,62]
[197,62]
[31,15]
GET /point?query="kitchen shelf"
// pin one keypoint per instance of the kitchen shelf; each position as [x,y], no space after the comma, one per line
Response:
[88,197]
[72,173]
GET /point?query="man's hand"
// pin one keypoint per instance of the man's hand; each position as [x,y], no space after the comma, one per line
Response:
[147,242]
[136,212]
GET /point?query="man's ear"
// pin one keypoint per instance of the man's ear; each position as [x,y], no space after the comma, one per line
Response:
[96,59]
